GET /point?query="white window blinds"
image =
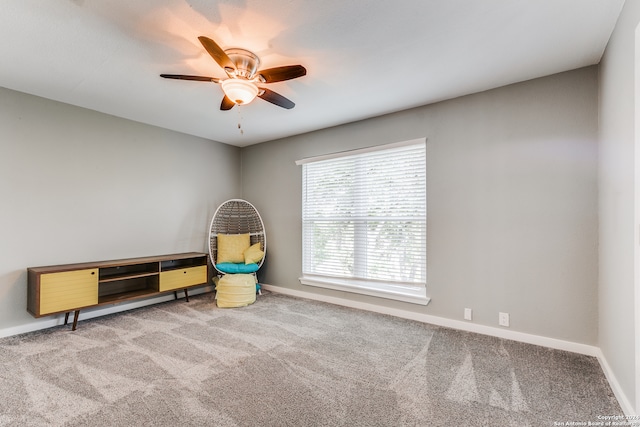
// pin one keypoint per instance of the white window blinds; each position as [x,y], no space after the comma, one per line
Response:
[364,214]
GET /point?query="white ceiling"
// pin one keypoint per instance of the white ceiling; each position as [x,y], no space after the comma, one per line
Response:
[364,58]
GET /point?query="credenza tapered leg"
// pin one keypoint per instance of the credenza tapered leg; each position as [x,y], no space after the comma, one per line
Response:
[76,314]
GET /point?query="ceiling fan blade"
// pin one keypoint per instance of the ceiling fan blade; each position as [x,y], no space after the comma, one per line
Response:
[226,104]
[278,74]
[276,98]
[196,78]
[217,53]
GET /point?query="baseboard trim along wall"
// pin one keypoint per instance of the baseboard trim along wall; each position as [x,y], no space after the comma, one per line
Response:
[471,327]
[57,320]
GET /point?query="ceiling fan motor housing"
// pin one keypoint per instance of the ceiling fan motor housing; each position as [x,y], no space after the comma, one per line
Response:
[247,63]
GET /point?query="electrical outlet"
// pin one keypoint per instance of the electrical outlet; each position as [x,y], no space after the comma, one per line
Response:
[503,319]
[467,314]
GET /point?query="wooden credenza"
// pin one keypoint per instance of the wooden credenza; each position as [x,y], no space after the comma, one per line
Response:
[72,287]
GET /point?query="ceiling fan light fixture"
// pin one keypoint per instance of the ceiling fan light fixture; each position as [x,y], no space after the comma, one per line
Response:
[243,68]
[239,91]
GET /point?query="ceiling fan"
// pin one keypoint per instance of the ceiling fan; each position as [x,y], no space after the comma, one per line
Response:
[244,79]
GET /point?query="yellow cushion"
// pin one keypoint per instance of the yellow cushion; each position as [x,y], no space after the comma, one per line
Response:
[235,290]
[231,247]
[253,254]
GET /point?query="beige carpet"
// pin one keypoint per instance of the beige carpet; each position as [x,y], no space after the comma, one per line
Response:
[288,362]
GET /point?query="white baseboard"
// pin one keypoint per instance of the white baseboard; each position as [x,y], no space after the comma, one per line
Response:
[624,402]
[449,323]
[57,320]
[480,329]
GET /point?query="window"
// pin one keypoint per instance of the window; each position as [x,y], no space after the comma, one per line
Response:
[364,221]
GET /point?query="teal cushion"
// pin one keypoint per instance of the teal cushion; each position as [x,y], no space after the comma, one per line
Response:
[232,268]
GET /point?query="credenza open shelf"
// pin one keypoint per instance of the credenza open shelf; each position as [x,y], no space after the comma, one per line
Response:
[72,287]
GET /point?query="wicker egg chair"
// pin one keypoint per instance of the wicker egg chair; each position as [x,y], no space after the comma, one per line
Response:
[236,216]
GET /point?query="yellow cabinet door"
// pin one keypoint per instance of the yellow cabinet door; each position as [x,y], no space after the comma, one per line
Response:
[182,278]
[68,290]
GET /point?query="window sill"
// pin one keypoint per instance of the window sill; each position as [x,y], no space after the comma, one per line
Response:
[413,294]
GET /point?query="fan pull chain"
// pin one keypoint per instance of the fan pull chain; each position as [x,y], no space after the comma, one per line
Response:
[240,121]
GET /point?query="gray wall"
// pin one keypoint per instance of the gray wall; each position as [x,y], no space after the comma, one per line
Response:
[512,202]
[77,185]
[619,192]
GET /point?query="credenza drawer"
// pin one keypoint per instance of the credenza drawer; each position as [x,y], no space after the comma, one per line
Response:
[68,290]
[184,277]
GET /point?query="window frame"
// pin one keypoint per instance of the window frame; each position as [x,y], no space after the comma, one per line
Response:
[411,292]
